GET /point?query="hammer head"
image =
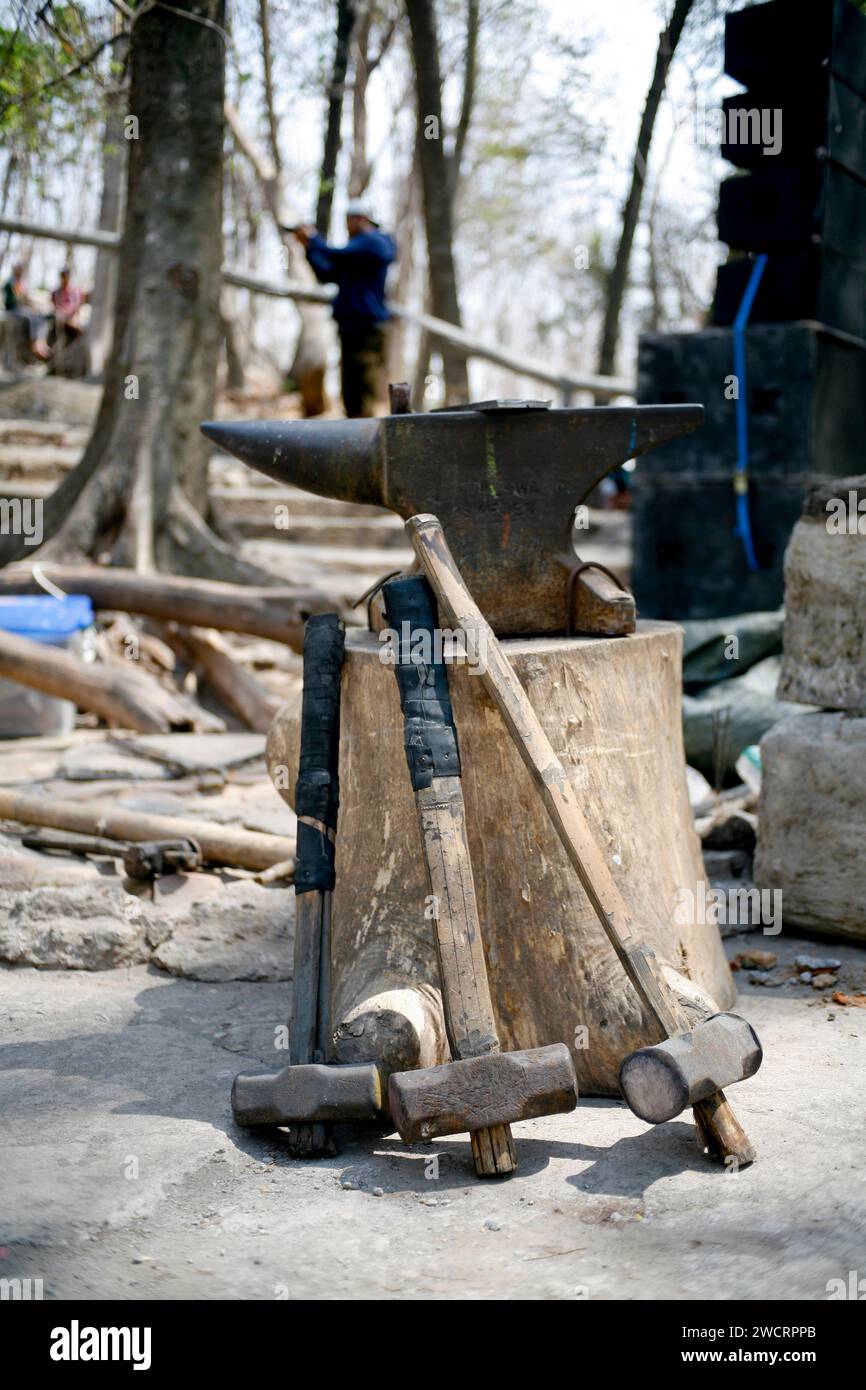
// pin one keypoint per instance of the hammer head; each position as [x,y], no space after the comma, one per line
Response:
[659,1082]
[480,1092]
[308,1093]
[504,477]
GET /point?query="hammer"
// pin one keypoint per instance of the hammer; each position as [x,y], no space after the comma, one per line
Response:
[481,1090]
[307,1095]
[718,1127]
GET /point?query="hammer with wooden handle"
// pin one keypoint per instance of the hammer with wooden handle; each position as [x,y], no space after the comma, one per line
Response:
[719,1128]
[307,1095]
[481,1090]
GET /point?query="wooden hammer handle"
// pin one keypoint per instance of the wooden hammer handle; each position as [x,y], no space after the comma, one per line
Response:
[716,1121]
[431,748]
[317,800]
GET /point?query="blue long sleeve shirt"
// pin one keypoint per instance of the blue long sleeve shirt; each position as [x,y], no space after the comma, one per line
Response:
[358,269]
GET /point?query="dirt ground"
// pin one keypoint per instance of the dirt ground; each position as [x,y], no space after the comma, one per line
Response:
[124,1176]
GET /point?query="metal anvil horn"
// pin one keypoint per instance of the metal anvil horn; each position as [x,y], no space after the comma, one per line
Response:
[504,478]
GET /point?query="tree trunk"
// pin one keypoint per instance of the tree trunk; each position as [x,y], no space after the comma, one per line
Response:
[360,167]
[618,277]
[231,340]
[467,102]
[144,471]
[364,64]
[436,185]
[470,73]
[111,208]
[310,359]
[333,133]
[405,232]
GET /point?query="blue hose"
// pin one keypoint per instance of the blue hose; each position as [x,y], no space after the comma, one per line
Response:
[743,528]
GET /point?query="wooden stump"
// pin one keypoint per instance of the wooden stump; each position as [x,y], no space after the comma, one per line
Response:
[611,708]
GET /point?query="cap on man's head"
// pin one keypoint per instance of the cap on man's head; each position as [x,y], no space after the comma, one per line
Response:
[359,208]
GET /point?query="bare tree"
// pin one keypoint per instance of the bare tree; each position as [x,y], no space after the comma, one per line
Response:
[139,493]
[333,125]
[309,362]
[439,180]
[111,209]
[618,277]
[364,64]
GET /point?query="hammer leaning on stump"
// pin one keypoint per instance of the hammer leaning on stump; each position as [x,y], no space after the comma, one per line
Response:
[505,476]
[307,1095]
[482,1090]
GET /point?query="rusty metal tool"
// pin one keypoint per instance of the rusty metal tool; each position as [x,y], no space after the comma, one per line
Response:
[143,859]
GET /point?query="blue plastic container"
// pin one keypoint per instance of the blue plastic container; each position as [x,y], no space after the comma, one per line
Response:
[59,622]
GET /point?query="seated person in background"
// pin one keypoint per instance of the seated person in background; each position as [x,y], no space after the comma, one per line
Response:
[68,302]
[18,305]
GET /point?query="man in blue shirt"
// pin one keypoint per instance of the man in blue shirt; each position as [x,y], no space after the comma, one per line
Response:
[358,269]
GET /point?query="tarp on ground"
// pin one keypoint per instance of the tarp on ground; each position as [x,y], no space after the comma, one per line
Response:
[731,668]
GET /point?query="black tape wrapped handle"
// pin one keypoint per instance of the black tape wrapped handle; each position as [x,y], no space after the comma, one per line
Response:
[317,790]
[429,735]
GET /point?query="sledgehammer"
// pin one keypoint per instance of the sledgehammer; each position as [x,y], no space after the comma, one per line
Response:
[307,1095]
[481,1090]
[719,1128]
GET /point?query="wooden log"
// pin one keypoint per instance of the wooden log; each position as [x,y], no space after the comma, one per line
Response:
[611,708]
[278,613]
[812,823]
[824,660]
[122,695]
[219,844]
[236,687]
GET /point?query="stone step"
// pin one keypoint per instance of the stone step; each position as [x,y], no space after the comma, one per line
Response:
[42,432]
[337,569]
[37,460]
[382,532]
[27,487]
[253,500]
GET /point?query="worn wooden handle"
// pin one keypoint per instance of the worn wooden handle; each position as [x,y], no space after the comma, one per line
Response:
[716,1121]
[316,804]
[431,747]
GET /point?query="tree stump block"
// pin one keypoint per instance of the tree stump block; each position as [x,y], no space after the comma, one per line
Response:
[611,708]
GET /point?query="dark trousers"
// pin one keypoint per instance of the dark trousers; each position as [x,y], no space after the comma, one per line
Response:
[363,350]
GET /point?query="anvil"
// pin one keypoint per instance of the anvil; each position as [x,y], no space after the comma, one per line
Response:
[504,477]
